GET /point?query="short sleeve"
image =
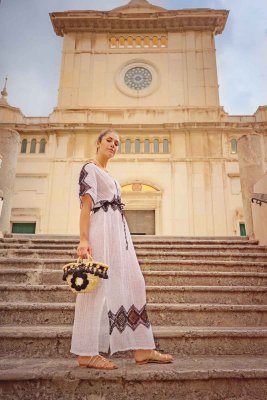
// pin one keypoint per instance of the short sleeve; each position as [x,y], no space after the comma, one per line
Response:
[88,182]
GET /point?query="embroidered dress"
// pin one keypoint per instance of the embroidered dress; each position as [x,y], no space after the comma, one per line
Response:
[114,316]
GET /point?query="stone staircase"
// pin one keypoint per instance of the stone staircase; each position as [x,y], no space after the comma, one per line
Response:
[207,302]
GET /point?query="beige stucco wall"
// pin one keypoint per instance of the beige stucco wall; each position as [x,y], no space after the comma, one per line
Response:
[194,182]
[186,70]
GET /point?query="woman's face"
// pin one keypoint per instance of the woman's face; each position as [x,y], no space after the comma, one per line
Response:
[109,145]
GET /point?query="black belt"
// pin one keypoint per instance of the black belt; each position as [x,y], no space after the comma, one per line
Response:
[115,204]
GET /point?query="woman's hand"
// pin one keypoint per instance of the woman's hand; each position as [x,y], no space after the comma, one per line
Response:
[84,248]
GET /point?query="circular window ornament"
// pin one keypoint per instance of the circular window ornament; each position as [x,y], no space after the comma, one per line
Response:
[137,78]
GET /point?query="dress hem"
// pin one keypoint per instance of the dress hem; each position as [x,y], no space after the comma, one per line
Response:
[116,351]
[134,348]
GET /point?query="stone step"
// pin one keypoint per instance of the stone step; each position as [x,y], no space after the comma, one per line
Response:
[188,378]
[210,255]
[146,255]
[54,277]
[235,248]
[156,241]
[54,341]
[195,278]
[159,294]
[12,238]
[146,265]
[203,265]
[19,313]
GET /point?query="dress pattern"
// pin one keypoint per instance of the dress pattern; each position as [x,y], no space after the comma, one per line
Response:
[114,316]
[132,318]
[84,186]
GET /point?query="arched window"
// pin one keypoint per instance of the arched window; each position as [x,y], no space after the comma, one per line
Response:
[42,146]
[165,146]
[137,146]
[24,146]
[138,41]
[146,146]
[156,146]
[163,41]
[155,41]
[121,42]
[130,41]
[113,42]
[146,41]
[33,146]
[233,146]
[128,146]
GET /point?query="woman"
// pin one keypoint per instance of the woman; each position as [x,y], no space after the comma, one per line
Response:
[114,316]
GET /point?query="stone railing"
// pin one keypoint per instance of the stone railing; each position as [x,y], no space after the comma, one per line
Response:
[259,198]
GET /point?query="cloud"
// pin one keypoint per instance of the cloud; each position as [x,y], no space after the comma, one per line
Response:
[241,58]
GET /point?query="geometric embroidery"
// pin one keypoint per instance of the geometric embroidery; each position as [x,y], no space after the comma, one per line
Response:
[83,185]
[133,318]
[115,204]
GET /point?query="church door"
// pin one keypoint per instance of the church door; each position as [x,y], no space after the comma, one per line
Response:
[141,222]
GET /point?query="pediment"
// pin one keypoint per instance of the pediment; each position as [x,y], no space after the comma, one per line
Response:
[138,6]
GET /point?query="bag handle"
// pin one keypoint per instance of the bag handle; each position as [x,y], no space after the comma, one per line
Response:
[89,258]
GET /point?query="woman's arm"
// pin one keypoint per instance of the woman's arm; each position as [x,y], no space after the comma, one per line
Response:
[83,246]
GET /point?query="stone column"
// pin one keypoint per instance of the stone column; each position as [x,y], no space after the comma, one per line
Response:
[9,149]
[251,166]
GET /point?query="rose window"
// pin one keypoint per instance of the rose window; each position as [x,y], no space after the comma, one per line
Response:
[138,78]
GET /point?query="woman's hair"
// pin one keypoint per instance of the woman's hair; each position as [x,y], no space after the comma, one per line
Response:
[104,133]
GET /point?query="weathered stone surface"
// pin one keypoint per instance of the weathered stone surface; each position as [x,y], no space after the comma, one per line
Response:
[54,277]
[146,265]
[144,254]
[155,294]
[160,314]
[166,247]
[239,247]
[54,341]
[210,313]
[189,378]
[57,238]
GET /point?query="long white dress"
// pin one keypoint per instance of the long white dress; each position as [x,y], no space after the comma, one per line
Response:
[113,317]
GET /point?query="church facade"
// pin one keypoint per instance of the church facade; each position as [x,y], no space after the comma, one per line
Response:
[151,74]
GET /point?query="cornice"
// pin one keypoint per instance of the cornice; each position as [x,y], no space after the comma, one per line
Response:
[237,127]
[168,21]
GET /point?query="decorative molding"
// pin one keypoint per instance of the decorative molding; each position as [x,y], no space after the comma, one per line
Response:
[166,21]
[66,128]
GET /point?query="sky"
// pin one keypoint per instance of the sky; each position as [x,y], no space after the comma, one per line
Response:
[30,51]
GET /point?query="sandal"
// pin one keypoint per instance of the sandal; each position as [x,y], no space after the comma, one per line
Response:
[156,357]
[97,362]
